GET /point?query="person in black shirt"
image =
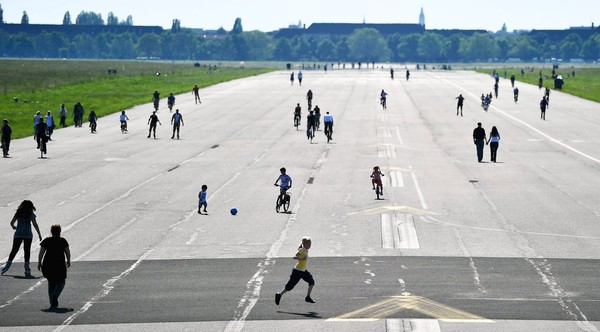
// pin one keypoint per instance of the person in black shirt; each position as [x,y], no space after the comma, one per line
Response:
[54,259]
[152,122]
[310,126]
[459,104]
[479,140]
[6,132]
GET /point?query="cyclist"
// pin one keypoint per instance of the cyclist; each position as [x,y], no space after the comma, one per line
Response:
[123,118]
[310,126]
[376,179]
[383,98]
[328,120]
[171,101]
[309,97]
[285,183]
[516,94]
[155,99]
[317,117]
[297,114]
[92,118]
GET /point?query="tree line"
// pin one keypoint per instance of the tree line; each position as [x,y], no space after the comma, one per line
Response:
[364,44]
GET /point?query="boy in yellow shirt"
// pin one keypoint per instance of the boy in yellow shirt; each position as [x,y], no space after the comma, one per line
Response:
[299,272]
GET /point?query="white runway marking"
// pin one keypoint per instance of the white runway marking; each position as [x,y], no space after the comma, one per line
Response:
[418,188]
[396,179]
[398,231]
[412,325]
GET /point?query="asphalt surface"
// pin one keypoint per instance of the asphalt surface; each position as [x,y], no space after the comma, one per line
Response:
[455,245]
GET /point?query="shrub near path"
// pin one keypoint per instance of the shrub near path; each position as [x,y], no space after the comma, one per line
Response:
[42,85]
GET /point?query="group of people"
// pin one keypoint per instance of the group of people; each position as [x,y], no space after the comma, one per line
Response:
[480,139]
[54,257]
[313,119]
[300,76]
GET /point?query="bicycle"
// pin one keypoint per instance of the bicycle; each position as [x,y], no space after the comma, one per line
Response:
[309,104]
[123,127]
[328,131]
[383,102]
[296,120]
[43,148]
[310,133]
[283,200]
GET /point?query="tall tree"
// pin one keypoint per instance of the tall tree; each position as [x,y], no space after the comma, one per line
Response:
[112,19]
[25,18]
[150,45]
[176,26]
[368,45]
[67,19]
[128,21]
[1,15]
[89,18]
[431,46]
[237,27]
[283,49]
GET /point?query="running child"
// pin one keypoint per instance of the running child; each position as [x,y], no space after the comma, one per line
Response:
[299,272]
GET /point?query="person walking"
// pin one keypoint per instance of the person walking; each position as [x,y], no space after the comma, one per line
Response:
[196,92]
[493,141]
[299,272]
[202,202]
[24,218]
[36,119]
[152,122]
[543,105]
[292,78]
[62,112]
[92,118]
[459,104]
[176,121]
[479,140]
[50,124]
[54,250]
[6,132]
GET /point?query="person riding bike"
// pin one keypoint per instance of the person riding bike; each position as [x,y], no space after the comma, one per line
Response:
[376,179]
[297,114]
[328,121]
[317,117]
[285,183]
[309,97]
[383,98]
[41,134]
[310,126]
[123,118]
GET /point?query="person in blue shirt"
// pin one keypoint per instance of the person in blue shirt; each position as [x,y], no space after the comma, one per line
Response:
[171,101]
[285,182]
[176,121]
[202,199]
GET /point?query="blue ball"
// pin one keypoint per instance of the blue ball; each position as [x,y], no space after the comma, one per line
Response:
[233,211]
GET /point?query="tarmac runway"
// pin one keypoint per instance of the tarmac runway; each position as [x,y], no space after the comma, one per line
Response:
[454,245]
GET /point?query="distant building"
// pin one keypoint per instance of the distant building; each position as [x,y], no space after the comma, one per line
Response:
[422,18]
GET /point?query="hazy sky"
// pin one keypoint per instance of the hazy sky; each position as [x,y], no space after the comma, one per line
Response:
[268,15]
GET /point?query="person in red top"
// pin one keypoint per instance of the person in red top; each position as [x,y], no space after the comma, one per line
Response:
[376,178]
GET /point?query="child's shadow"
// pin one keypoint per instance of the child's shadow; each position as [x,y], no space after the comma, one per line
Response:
[58,310]
[310,314]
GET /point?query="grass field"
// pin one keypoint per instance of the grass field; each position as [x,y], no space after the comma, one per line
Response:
[585,83]
[42,85]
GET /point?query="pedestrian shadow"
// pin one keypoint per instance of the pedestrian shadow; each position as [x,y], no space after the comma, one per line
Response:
[310,314]
[58,310]
[32,277]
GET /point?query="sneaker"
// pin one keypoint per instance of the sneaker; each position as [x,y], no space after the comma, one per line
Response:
[28,274]
[6,266]
[277,298]
[199,212]
[205,211]
[309,300]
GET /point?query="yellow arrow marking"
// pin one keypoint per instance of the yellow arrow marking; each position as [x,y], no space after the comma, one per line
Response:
[419,304]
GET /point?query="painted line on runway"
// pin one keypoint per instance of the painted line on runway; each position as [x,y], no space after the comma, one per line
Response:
[99,243]
[396,179]
[418,188]
[108,286]
[398,135]
[548,137]
[386,151]
[398,232]
[412,325]
[382,117]
[383,132]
